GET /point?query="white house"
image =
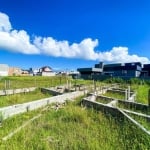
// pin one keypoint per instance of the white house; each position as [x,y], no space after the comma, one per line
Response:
[4,69]
[46,71]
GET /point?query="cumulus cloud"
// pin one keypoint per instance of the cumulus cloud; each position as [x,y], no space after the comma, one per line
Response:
[19,41]
[5,24]
[52,47]
[13,40]
[121,54]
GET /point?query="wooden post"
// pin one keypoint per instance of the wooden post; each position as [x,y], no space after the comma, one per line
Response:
[67,84]
[5,84]
[75,85]
[94,84]
[70,86]
[9,84]
[84,90]
[126,95]
[128,92]
[149,97]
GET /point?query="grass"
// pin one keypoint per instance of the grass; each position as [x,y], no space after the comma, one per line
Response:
[142,93]
[132,108]
[30,81]
[103,100]
[115,95]
[22,98]
[72,128]
[143,121]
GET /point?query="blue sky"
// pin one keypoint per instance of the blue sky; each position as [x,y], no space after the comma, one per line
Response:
[68,34]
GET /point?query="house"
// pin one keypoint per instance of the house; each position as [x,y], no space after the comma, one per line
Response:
[46,71]
[4,69]
[132,69]
[123,70]
[14,71]
[89,73]
[25,72]
[146,70]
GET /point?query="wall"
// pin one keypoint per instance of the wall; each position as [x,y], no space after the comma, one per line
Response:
[9,111]
[16,91]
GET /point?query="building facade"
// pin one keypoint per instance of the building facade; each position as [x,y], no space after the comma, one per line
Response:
[122,70]
[46,71]
[4,69]
[14,71]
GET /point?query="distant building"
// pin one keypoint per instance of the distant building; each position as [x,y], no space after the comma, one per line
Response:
[89,73]
[123,70]
[74,74]
[4,69]
[46,71]
[25,72]
[14,71]
[146,70]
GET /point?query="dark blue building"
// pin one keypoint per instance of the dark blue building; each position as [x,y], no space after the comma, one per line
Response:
[146,70]
[123,70]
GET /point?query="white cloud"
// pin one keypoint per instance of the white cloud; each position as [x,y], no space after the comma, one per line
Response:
[13,40]
[121,54]
[19,41]
[52,47]
[5,25]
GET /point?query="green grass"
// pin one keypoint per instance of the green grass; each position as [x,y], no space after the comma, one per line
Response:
[30,81]
[72,128]
[142,93]
[104,101]
[131,108]
[115,95]
[22,97]
[143,121]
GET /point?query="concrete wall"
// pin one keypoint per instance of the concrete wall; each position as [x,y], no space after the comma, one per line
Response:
[108,110]
[53,91]
[9,111]
[16,91]
[115,112]
[137,106]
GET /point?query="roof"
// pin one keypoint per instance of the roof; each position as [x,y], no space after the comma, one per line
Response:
[89,69]
[45,69]
[114,65]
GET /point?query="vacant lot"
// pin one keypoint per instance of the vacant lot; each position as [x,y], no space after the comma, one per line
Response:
[22,98]
[72,127]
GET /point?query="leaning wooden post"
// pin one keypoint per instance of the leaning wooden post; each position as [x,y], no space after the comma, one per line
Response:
[9,84]
[75,85]
[94,84]
[5,84]
[70,85]
[149,97]
[128,92]
[67,84]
